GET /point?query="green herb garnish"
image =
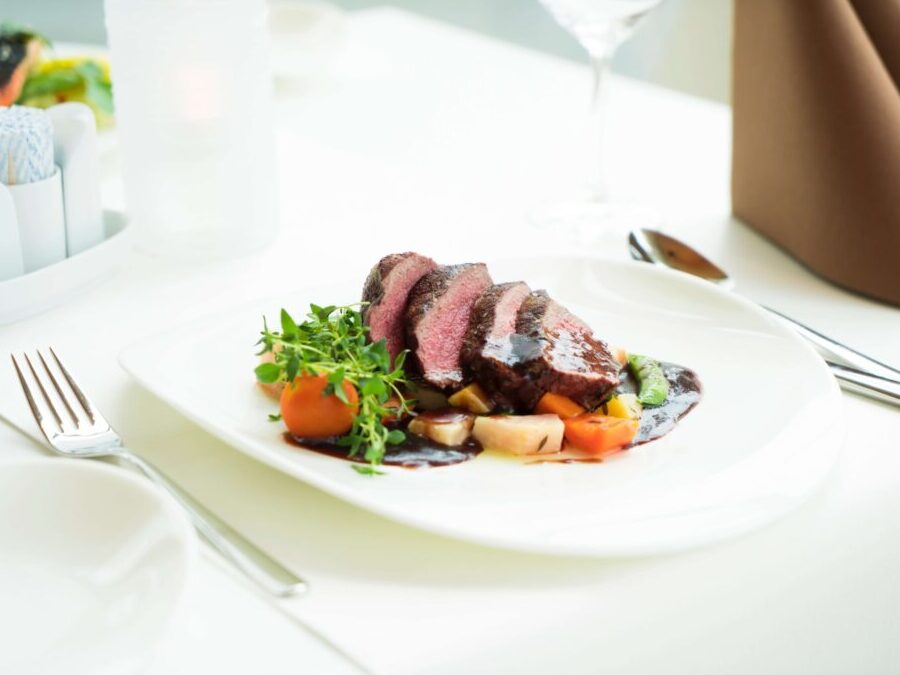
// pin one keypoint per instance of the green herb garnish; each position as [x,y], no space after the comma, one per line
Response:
[334,342]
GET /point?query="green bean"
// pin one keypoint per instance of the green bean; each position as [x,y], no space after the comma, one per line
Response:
[654,387]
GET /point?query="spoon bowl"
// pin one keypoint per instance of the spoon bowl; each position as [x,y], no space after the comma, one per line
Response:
[656,247]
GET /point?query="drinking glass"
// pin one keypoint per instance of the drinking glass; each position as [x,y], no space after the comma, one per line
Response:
[194,110]
[600,26]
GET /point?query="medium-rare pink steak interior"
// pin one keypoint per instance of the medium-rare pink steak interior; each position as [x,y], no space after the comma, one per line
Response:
[386,290]
[437,320]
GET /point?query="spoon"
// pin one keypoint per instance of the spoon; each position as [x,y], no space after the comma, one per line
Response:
[854,370]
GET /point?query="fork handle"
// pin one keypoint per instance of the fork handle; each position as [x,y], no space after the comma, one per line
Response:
[835,351]
[256,564]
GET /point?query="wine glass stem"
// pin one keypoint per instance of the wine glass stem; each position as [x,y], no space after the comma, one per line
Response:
[600,70]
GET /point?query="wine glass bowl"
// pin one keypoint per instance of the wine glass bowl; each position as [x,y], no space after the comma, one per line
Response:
[600,26]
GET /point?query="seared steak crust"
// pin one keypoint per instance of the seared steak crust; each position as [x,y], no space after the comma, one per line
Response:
[561,354]
[488,355]
[373,288]
[386,290]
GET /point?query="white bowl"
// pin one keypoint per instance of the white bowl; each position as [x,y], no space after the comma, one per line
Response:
[93,562]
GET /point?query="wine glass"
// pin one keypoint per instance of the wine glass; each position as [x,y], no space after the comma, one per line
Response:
[600,26]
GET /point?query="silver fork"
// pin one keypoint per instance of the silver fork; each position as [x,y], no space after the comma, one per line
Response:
[74,427]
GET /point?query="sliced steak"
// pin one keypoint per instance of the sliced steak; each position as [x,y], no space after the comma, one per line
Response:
[437,318]
[560,353]
[488,356]
[386,290]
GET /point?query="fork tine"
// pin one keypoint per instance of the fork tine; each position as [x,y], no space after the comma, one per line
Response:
[59,390]
[44,424]
[44,393]
[35,410]
[85,402]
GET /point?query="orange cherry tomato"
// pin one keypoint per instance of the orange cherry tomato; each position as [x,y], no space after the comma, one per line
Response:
[557,404]
[309,414]
[600,434]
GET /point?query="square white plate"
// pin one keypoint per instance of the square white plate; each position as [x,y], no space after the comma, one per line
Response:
[766,432]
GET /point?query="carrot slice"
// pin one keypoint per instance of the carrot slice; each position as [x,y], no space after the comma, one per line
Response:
[556,404]
[600,434]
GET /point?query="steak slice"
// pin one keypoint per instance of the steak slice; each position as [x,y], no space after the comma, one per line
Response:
[386,290]
[437,318]
[559,353]
[488,355]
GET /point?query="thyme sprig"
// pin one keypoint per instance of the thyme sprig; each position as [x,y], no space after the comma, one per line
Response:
[333,341]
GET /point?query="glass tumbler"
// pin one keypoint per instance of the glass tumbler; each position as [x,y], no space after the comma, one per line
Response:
[193,97]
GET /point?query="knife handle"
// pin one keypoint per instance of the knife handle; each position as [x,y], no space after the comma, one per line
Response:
[834,351]
[875,387]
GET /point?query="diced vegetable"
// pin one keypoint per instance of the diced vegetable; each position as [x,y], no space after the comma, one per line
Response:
[654,387]
[556,404]
[309,413]
[427,398]
[520,434]
[600,434]
[453,431]
[472,398]
[620,355]
[625,406]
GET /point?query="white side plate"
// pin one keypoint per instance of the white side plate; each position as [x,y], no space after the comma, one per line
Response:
[58,283]
[93,561]
[764,435]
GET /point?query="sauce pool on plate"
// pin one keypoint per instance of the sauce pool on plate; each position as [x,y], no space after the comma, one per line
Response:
[416,452]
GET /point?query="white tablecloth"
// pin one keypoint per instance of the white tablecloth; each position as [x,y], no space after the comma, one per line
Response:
[429,138]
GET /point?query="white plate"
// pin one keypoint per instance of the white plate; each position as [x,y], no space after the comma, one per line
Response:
[56,284]
[764,435]
[93,561]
